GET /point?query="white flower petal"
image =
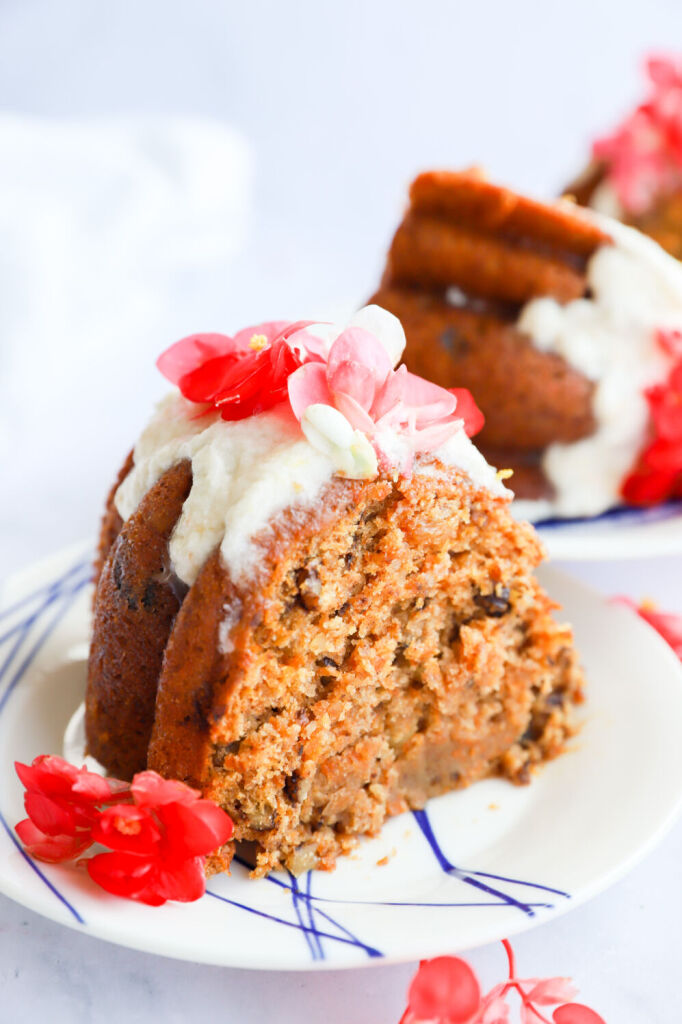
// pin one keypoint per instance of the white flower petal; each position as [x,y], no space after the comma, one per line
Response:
[329,432]
[384,326]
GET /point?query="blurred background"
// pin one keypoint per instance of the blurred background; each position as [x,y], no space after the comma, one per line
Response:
[167,167]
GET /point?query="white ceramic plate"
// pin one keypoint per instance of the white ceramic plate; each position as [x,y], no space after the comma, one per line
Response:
[478,865]
[617,534]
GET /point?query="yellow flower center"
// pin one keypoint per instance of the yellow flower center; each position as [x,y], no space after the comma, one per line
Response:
[258,342]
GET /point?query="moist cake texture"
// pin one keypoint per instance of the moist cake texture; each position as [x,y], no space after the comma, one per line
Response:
[386,643]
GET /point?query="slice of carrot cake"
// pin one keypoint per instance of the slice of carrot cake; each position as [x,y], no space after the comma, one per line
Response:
[313,602]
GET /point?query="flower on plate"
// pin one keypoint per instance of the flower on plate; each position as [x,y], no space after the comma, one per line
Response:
[399,413]
[62,803]
[158,831]
[657,476]
[643,156]
[158,842]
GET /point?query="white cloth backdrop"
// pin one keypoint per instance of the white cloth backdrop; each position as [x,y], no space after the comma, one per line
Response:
[127,218]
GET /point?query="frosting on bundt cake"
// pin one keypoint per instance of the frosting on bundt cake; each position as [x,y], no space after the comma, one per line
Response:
[313,603]
[560,322]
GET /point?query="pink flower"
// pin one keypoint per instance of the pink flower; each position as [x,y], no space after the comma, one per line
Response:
[62,803]
[401,414]
[159,842]
[643,155]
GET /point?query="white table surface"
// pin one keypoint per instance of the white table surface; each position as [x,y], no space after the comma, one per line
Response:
[341,103]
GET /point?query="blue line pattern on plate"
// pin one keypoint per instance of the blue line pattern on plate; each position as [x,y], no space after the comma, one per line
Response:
[315,917]
[628,514]
[43,611]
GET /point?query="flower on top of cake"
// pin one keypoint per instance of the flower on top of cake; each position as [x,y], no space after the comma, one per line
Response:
[642,158]
[340,382]
[270,416]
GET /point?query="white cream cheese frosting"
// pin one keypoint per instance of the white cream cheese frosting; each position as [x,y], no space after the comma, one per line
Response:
[245,472]
[635,288]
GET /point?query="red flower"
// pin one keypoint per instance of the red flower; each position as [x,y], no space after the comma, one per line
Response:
[158,838]
[159,842]
[63,803]
[446,991]
[657,476]
[243,375]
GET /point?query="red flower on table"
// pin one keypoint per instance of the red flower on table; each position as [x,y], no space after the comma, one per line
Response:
[446,991]
[63,803]
[657,476]
[643,156]
[158,831]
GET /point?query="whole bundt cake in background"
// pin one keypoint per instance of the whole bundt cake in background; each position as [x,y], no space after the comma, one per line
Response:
[561,323]
[313,602]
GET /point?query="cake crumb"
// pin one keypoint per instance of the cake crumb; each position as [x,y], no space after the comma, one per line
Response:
[384,860]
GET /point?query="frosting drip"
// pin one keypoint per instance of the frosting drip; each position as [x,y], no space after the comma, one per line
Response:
[243,474]
[610,337]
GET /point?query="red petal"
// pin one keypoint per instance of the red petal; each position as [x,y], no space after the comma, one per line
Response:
[195,830]
[53,849]
[54,817]
[208,380]
[191,352]
[129,829]
[576,1013]
[124,874]
[47,774]
[184,882]
[150,788]
[468,411]
[444,988]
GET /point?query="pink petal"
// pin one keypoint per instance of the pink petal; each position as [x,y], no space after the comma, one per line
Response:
[308,386]
[429,401]
[430,438]
[356,380]
[552,990]
[390,398]
[125,874]
[354,413]
[356,345]
[187,354]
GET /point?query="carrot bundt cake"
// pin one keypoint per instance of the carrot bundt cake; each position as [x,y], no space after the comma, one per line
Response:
[313,602]
[635,173]
[563,323]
